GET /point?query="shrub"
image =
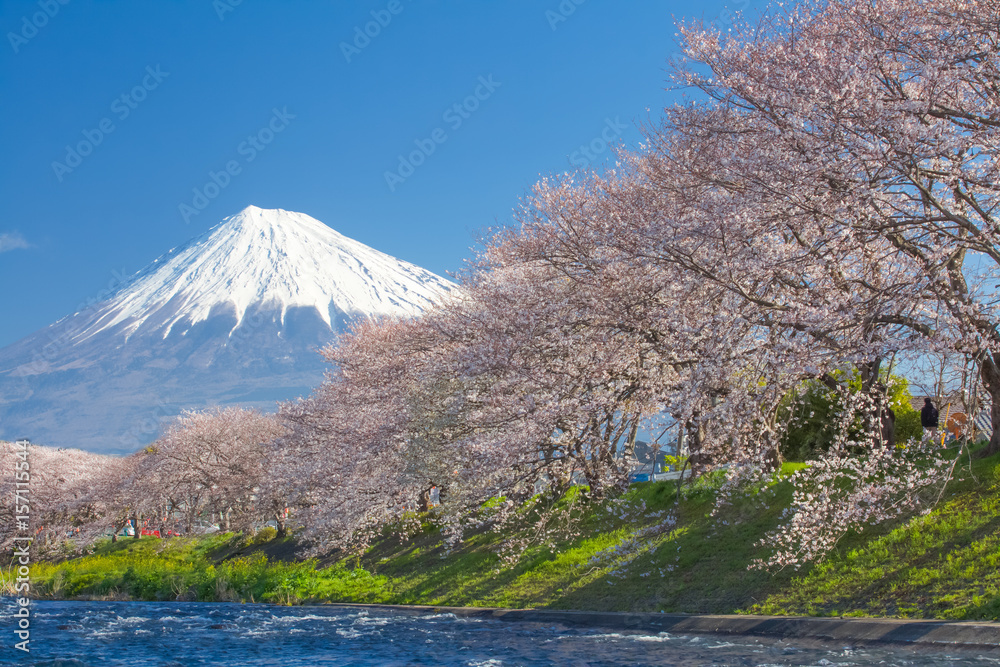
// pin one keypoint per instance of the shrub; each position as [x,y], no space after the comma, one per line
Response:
[264,535]
[908,425]
[811,411]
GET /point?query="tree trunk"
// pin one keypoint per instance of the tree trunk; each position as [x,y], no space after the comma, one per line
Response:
[990,373]
[887,427]
[772,457]
[869,372]
[628,451]
[425,499]
[698,457]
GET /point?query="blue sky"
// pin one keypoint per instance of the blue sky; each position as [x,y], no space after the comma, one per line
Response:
[131,127]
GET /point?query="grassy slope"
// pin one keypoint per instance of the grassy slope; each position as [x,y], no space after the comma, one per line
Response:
[219,568]
[940,565]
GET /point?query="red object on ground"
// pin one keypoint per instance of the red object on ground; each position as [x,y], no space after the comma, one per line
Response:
[153,533]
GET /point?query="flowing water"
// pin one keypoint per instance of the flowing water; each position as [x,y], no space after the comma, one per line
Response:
[134,634]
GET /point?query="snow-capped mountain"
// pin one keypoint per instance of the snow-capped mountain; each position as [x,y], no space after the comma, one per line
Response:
[236,315]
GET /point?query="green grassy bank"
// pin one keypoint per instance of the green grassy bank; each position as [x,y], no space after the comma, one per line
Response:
[941,565]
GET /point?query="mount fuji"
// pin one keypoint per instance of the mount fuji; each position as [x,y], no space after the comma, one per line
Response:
[235,316]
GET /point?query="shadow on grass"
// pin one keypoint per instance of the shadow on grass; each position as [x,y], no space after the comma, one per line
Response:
[698,565]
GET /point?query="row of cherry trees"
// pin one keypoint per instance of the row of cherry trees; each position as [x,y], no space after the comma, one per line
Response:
[45,492]
[826,203]
[207,468]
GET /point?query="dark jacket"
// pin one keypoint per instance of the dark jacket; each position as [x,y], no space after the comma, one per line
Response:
[929,416]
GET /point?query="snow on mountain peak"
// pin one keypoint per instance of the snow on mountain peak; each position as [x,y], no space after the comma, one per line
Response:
[271,258]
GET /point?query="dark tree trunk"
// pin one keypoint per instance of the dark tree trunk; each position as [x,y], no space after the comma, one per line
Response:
[279,520]
[628,451]
[887,426]
[772,457]
[990,373]
[869,375]
[425,499]
[883,419]
[697,456]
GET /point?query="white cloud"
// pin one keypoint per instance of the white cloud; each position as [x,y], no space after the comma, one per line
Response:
[12,241]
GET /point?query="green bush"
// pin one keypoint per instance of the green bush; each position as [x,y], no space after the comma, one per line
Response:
[184,568]
[264,535]
[810,413]
[82,584]
[908,425]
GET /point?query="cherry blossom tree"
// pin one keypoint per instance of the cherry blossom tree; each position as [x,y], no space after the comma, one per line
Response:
[881,120]
[212,463]
[527,380]
[346,464]
[209,463]
[57,486]
[840,176]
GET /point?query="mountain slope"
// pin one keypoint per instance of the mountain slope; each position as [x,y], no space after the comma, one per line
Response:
[233,316]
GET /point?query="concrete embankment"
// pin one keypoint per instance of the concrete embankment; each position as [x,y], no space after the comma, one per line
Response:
[964,634]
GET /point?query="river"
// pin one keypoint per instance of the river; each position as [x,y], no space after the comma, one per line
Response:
[135,634]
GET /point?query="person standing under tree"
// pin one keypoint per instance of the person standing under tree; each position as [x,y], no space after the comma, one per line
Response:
[929,419]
